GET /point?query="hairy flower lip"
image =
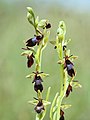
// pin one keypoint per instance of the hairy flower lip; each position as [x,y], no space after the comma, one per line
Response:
[39,107]
[69,89]
[61,115]
[38,86]
[30,61]
[33,41]
[69,66]
[38,83]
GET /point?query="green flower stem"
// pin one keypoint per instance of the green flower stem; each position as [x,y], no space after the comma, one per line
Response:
[61,68]
[39,116]
[60,49]
[63,74]
[38,58]
[41,47]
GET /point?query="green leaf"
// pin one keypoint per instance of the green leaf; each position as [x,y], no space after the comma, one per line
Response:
[58,103]
[54,108]
[53,105]
[48,93]
[54,116]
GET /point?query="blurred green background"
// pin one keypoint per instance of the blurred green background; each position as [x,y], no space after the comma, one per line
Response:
[15,89]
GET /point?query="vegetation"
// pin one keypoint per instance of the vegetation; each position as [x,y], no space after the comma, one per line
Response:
[14,89]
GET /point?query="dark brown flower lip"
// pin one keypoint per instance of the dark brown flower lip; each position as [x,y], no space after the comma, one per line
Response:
[30,60]
[33,41]
[39,107]
[61,115]
[69,66]
[39,37]
[61,112]
[69,89]
[37,83]
[62,118]
[38,86]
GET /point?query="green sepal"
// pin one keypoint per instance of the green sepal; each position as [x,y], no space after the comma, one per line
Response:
[76,84]
[42,23]
[36,21]
[45,103]
[53,42]
[43,75]
[68,52]
[63,27]
[66,42]
[29,17]
[46,37]
[30,75]
[33,102]
[61,31]
[60,62]
[65,106]
[26,52]
[74,57]
[60,35]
